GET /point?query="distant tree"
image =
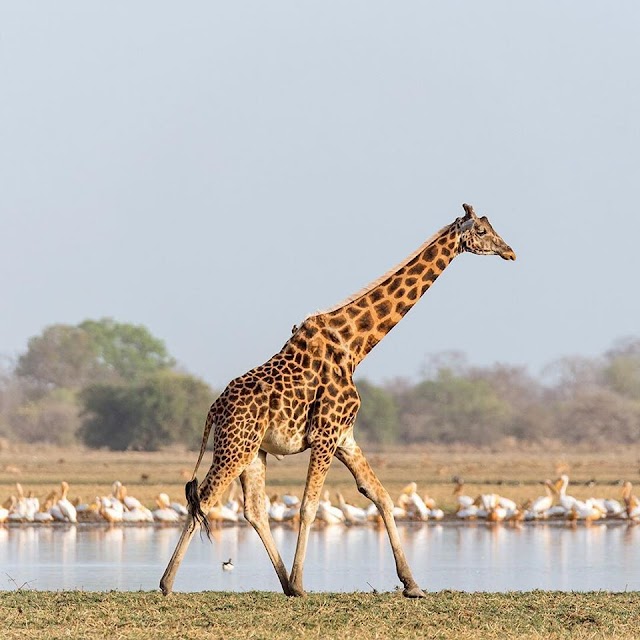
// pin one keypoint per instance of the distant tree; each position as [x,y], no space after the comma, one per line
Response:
[570,374]
[51,419]
[61,357]
[95,351]
[165,408]
[452,408]
[12,395]
[377,419]
[621,371]
[597,416]
[529,416]
[127,350]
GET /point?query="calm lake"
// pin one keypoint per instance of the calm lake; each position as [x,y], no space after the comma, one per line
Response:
[459,556]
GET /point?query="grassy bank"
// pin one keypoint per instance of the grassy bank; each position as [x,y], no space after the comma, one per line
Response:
[445,615]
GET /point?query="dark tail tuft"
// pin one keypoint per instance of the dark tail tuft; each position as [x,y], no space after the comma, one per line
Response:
[193,504]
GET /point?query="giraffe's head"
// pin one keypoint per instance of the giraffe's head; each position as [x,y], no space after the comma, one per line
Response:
[477,236]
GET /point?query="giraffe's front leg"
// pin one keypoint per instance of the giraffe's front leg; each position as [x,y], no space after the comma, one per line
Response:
[371,487]
[319,462]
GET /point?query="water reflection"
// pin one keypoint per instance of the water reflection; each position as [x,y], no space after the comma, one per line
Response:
[468,557]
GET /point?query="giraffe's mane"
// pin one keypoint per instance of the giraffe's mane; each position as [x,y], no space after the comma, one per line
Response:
[384,276]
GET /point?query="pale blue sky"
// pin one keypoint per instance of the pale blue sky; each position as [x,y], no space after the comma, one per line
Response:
[218,170]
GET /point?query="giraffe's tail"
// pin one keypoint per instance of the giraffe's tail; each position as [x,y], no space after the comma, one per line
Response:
[191,488]
[193,505]
[205,437]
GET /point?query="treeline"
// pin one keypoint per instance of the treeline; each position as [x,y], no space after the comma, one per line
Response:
[103,384]
[579,400]
[108,384]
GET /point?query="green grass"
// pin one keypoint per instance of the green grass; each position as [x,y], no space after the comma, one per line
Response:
[445,615]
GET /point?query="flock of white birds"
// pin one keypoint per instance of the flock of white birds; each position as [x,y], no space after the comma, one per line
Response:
[556,503]
[120,507]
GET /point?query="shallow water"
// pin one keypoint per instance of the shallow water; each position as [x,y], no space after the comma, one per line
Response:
[466,557]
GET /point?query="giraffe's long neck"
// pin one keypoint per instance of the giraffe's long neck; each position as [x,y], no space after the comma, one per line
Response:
[365,318]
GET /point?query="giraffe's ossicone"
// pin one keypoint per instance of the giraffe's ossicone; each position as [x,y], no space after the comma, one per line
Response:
[304,397]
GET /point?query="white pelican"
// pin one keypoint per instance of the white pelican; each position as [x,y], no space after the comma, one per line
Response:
[17,510]
[556,511]
[352,514]
[328,513]
[436,513]
[65,506]
[497,513]
[507,503]
[463,501]
[221,513]
[414,506]
[561,487]
[467,513]
[166,502]
[542,504]
[280,512]
[43,515]
[111,511]
[631,502]
[585,511]
[137,514]
[420,508]
[180,509]
[33,506]
[129,501]
[164,512]
[291,500]
[613,507]
[114,498]
[22,508]
[488,501]
[515,516]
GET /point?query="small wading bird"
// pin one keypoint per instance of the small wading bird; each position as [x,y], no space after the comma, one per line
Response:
[228,565]
[304,397]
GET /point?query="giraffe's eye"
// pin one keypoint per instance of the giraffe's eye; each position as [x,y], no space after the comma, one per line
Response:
[481,231]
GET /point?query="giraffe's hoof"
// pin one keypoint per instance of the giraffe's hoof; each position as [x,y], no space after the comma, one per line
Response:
[414,592]
[296,592]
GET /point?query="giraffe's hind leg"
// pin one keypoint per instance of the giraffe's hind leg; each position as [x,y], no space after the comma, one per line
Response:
[369,485]
[253,486]
[166,582]
[319,462]
[216,482]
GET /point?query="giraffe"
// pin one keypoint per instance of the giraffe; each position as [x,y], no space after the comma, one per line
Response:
[304,398]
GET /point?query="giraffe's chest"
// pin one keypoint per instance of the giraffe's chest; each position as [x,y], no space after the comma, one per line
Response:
[286,431]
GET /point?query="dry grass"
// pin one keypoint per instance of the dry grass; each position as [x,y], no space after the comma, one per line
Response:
[445,616]
[516,473]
